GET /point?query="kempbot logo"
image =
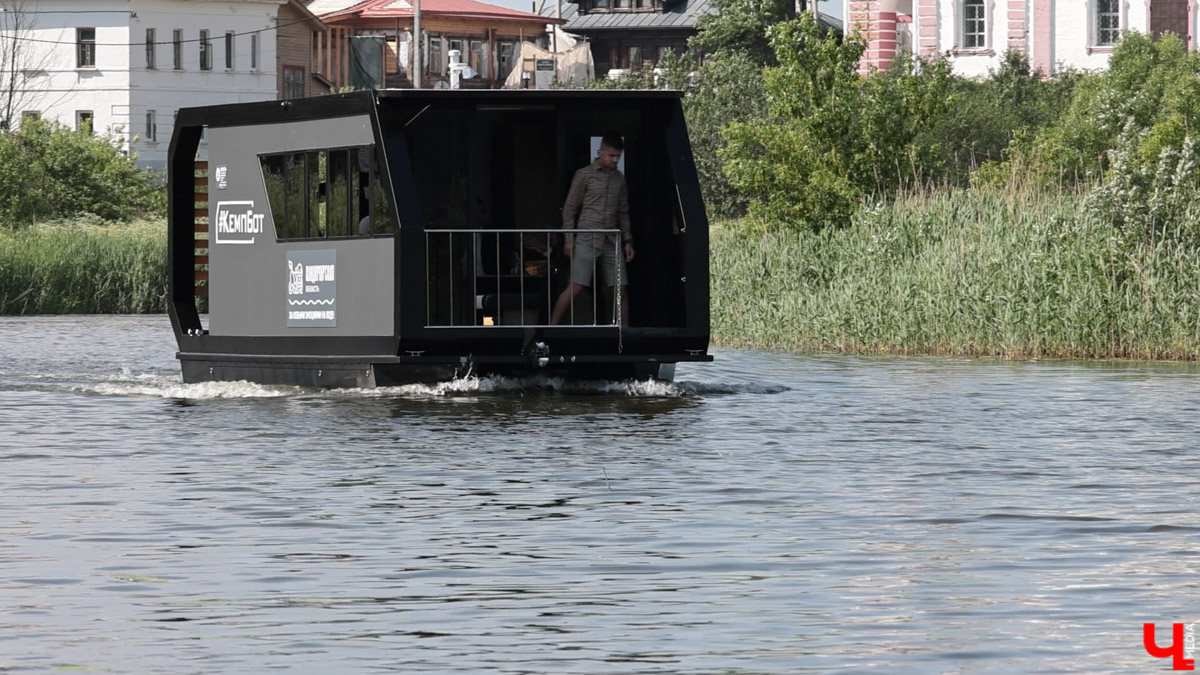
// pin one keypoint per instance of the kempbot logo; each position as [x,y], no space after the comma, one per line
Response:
[237,223]
[312,289]
[1181,649]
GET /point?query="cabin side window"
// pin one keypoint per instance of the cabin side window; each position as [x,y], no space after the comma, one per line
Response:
[335,192]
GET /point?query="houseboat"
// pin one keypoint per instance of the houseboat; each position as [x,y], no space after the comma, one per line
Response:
[383,237]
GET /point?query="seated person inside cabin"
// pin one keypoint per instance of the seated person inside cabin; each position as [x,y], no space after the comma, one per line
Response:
[598,200]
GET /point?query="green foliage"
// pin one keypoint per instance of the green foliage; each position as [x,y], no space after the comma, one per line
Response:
[1151,88]
[729,87]
[741,26]
[50,171]
[978,272]
[984,120]
[82,267]
[1149,202]
[830,138]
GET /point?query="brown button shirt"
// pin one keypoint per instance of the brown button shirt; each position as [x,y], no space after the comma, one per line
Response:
[598,200]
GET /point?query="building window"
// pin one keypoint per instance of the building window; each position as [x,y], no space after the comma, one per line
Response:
[435,55]
[327,193]
[177,47]
[477,59]
[505,60]
[974,24]
[293,82]
[150,47]
[228,50]
[1108,22]
[151,127]
[85,40]
[205,51]
[635,58]
[83,120]
[254,51]
[31,115]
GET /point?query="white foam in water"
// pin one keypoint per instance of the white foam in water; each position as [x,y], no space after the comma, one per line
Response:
[169,386]
[497,384]
[163,386]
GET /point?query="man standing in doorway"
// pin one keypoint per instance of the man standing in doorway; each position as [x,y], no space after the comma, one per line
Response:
[598,200]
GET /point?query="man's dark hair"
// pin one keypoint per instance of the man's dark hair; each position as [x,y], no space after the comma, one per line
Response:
[612,141]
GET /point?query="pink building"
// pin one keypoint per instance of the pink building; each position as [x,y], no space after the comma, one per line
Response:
[975,33]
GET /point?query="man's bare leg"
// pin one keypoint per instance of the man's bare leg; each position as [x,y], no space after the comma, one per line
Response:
[564,302]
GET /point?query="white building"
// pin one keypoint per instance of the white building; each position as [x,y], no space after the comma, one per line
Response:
[126,67]
[1054,34]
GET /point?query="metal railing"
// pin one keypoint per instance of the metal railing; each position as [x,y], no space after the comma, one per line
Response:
[493,277]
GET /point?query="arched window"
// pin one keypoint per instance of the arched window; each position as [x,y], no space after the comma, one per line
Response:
[974,29]
[1108,22]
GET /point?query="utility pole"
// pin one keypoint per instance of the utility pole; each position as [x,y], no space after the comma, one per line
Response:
[416,79]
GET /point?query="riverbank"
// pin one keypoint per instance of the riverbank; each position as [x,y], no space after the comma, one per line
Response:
[979,272]
[73,268]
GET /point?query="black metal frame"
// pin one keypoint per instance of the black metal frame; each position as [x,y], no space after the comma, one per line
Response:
[413,346]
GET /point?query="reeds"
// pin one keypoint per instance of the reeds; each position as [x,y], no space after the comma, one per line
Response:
[83,268]
[978,272]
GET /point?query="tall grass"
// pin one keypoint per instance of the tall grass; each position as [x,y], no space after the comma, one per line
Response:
[80,268]
[979,272]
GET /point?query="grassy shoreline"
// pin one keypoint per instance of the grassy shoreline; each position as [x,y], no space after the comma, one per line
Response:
[975,273]
[71,268]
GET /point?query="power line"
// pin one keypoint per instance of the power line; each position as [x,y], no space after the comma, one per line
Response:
[142,43]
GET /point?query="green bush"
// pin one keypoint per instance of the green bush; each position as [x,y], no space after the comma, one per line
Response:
[50,171]
[81,267]
[1151,88]
[831,139]
[982,272]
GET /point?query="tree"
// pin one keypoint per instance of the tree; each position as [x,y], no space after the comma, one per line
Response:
[741,26]
[20,60]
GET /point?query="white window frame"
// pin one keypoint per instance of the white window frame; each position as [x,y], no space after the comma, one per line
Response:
[960,29]
[1093,14]
[254,52]
[229,48]
[177,48]
[85,50]
[81,115]
[151,126]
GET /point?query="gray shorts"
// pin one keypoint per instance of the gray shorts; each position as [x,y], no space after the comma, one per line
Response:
[586,257]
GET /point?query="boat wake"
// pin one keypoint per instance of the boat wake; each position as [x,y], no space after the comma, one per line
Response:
[160,385]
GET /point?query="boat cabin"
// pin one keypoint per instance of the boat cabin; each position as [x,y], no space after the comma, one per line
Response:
[382,237]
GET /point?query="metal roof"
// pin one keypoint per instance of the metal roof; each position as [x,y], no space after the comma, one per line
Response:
[386,9]
[681,14]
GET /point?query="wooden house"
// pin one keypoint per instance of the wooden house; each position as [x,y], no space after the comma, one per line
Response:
[297,75]
[630,34]
[370,43]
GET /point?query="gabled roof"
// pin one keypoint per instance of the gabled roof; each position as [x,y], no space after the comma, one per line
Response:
[304,11]
[676,14]
[391,9]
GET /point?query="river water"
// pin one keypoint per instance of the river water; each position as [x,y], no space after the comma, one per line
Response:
[766,513]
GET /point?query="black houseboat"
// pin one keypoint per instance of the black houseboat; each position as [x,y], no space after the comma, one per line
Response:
[383,237]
